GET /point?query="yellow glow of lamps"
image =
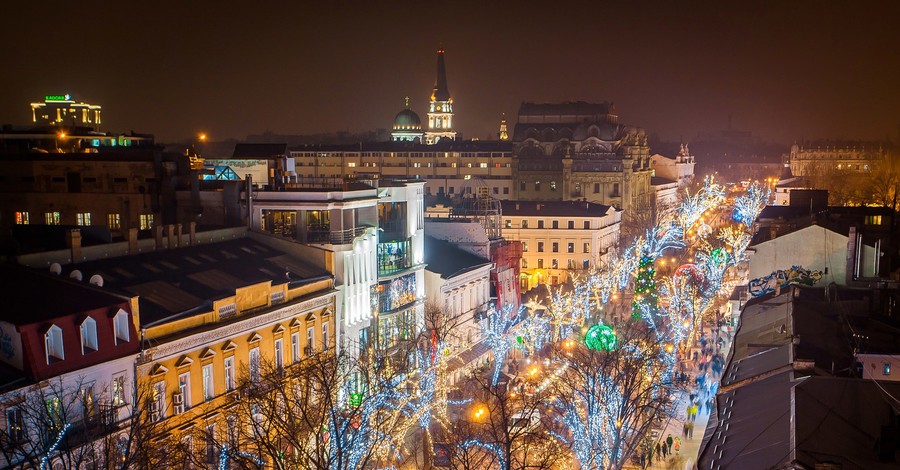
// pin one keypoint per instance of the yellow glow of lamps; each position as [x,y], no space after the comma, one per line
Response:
[62,135]
[202,137]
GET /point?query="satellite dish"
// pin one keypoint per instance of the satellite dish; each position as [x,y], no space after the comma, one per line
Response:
[55,268]
[96,280]
[76,274]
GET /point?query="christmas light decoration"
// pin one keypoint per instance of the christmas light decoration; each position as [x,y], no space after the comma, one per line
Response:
[45,460]
[748,206]
[496,326]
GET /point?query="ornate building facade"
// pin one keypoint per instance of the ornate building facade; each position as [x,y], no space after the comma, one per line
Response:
[578,151]
[440,108]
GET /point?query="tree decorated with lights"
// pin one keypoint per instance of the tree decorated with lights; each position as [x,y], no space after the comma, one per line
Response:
[497,325]
[645,291]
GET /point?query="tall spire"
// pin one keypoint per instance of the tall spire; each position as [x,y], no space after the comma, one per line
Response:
[441,92]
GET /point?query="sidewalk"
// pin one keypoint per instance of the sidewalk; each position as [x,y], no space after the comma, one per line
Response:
[689,450]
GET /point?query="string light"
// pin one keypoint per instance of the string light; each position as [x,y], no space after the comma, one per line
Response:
[45,460]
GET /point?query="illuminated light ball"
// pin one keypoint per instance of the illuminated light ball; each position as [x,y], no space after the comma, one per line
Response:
[601,338]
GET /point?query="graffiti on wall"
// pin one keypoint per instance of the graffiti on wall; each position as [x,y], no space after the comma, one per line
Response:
[783,278]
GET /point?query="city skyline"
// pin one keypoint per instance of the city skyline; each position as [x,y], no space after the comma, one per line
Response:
[782,71]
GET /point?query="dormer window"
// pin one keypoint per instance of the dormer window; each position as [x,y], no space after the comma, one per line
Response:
[88,335]
[120,323]
[53,342]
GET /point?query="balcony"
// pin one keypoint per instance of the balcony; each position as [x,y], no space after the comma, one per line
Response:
[394,257]
[392,230]
[335,237]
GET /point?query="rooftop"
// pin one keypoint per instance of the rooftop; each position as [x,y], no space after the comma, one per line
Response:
[448,260]
[554,208]
[173,281]
[260,151]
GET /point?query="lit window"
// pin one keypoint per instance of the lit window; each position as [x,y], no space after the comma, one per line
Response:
[51,218]
[508,223]
[113,221]
[146,221]
[555,247]
[540,247]
[83,218]
[524,263]
[351,164]
[886,369]
[208,387]
[524,247]
[483,165]
[571,248]
[118,390]
[120,323]
[158,405]
[88,335]
[184,391]
[587,247]
[324,335]
[873,220]
[15,425]
[22,218]
[553,186]
[310,340]
[554,264]
[524,223]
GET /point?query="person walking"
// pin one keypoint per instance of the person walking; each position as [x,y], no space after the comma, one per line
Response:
[657,451]
[665,449]
[669,442]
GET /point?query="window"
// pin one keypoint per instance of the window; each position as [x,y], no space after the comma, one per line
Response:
[522,186]
[450,191]
[540,224]
[596,188]
[229,373]
[254,365]
[570,264]
[208,386]
[508,223]
[524,223]
[886,369]
[211,453]
[310,340]
[555,247]
[120,323]
[553,186]
[506,190]
[587,247]
[873,220]
[540,247]
[184,391]
[295,347]
[88,335]
[537,185]
[118,390]
[483,165]
[279,354]
[554,264]
[113,221]
[53,342]
[83,218]
[51,218]
[555,224]
[540,263]
[15,425]
[615,189]
[22,218]
[158,406]
[585,264]
[571,225]
[146,221]
[571,248]
[88,402]
[324,335]
[524,247]
[587,224]
[524,263]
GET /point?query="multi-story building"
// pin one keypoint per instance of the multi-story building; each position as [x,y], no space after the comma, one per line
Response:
[103,190]
[63,110]
[218,309]
[560,238]
[67,348]
[458,285]
[578,151]
[452,169]
[370,236]
[855,158]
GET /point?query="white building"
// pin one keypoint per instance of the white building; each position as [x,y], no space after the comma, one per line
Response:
[458,283]
[679,169]
[560,238]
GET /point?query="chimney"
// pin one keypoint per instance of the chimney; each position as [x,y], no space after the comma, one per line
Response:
[73,242]
[178,232]
[157,234]
[132,240]
[170,235]
[193,233]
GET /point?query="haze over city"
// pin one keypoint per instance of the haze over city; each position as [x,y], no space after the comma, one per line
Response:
[782,70]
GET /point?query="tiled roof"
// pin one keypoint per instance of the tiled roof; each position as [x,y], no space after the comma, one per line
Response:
[553,208]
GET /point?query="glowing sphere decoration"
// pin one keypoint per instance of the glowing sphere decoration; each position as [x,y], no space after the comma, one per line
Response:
[600,338]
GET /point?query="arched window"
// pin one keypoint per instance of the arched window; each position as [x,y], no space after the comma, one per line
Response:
[120,323]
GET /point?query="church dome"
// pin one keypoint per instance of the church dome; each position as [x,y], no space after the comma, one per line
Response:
[407,120]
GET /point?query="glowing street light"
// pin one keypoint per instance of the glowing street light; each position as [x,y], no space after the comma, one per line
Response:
[202,137]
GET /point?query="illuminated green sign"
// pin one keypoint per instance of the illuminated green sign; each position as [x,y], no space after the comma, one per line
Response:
[356,399]
[57,98]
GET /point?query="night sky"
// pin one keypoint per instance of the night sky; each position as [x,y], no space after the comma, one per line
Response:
[783,70]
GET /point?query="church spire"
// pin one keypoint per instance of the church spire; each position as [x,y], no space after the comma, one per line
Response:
[441,92]
[503,134]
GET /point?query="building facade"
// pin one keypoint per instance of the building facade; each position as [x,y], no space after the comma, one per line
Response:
[64,110]
[810,161]
[560,238]
[679,169]
[576,151]
[440,107]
